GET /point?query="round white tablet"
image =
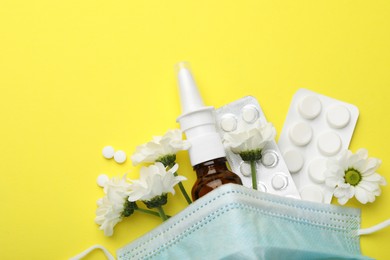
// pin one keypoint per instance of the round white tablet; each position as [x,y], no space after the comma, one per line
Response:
[317,169]
[120,156]
[338,116]
[245,169]
[250,113]
[329,143]
[310,107]
[269,159]
[312,193]
[279,181]
[108,152]
[261,187]
[301,134]
[102,179]
[228,122]
[294,160]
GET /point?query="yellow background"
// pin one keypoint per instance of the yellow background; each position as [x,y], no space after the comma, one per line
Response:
[76,76]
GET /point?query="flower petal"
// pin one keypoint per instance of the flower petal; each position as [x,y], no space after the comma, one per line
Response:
[361,195]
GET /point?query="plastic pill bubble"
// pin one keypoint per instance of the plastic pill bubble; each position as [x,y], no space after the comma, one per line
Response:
[120,156]
[312,193]
[261,187]
[250,114]
[301,134]
[310,107]
[279,182]
[228,122]
[294,160]
[317,169]
[245,169]
[269,159]
[329,143]
[102,179]
[108,152]
[338,116]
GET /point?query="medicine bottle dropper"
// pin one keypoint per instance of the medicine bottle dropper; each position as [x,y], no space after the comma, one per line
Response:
[207,154]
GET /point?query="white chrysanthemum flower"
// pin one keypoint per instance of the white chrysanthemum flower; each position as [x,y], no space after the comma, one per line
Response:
[154,181]
[161,146]
[249,138]
[111,207]
[354,175]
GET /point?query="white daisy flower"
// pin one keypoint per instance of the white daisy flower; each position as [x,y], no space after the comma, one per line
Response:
[111,207]
[155,181]
[249,138]
[160,147]
[354,175]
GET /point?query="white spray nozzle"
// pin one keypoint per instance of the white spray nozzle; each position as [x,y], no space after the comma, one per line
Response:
[189,94]
[197,120]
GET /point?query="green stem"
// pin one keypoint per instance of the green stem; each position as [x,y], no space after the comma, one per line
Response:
[254,177]
[162,213]
[183,190]
[151,212]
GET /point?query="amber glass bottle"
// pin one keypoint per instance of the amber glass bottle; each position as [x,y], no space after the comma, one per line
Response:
[211,175]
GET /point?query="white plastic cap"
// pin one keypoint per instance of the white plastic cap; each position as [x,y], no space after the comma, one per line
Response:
[197,121]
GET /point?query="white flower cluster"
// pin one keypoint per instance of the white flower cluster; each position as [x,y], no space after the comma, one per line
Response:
[111,206]
[168,144]
[155,181]
[354,175]
[249,138]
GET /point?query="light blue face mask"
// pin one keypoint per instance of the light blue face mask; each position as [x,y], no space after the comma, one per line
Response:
[234,222]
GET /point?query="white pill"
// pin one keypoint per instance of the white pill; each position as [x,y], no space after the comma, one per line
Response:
[294,160]
[310,107]
[279,182]
[317,169]
[312,193]
[329,143]
[102,179]
[108,152]
[301,134]
[338,116]
[120,156]
[245,169]
[228,122]
[261,187]
[250,113]
[269,159]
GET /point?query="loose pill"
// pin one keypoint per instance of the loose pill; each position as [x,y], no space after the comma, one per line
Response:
[102,179]
[108,152]
[120,156]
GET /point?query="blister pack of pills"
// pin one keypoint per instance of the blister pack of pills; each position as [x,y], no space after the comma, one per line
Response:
[272,172]
[317,127]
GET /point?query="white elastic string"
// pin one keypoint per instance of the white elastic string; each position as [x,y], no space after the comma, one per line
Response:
[89,250]
[366,231]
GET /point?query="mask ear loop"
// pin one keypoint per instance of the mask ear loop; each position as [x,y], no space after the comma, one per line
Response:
[370,230]
[89,250]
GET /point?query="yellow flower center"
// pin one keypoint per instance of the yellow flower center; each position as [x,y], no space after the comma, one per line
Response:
[352,177]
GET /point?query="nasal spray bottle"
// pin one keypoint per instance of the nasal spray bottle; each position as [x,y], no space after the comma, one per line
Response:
[207,154]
